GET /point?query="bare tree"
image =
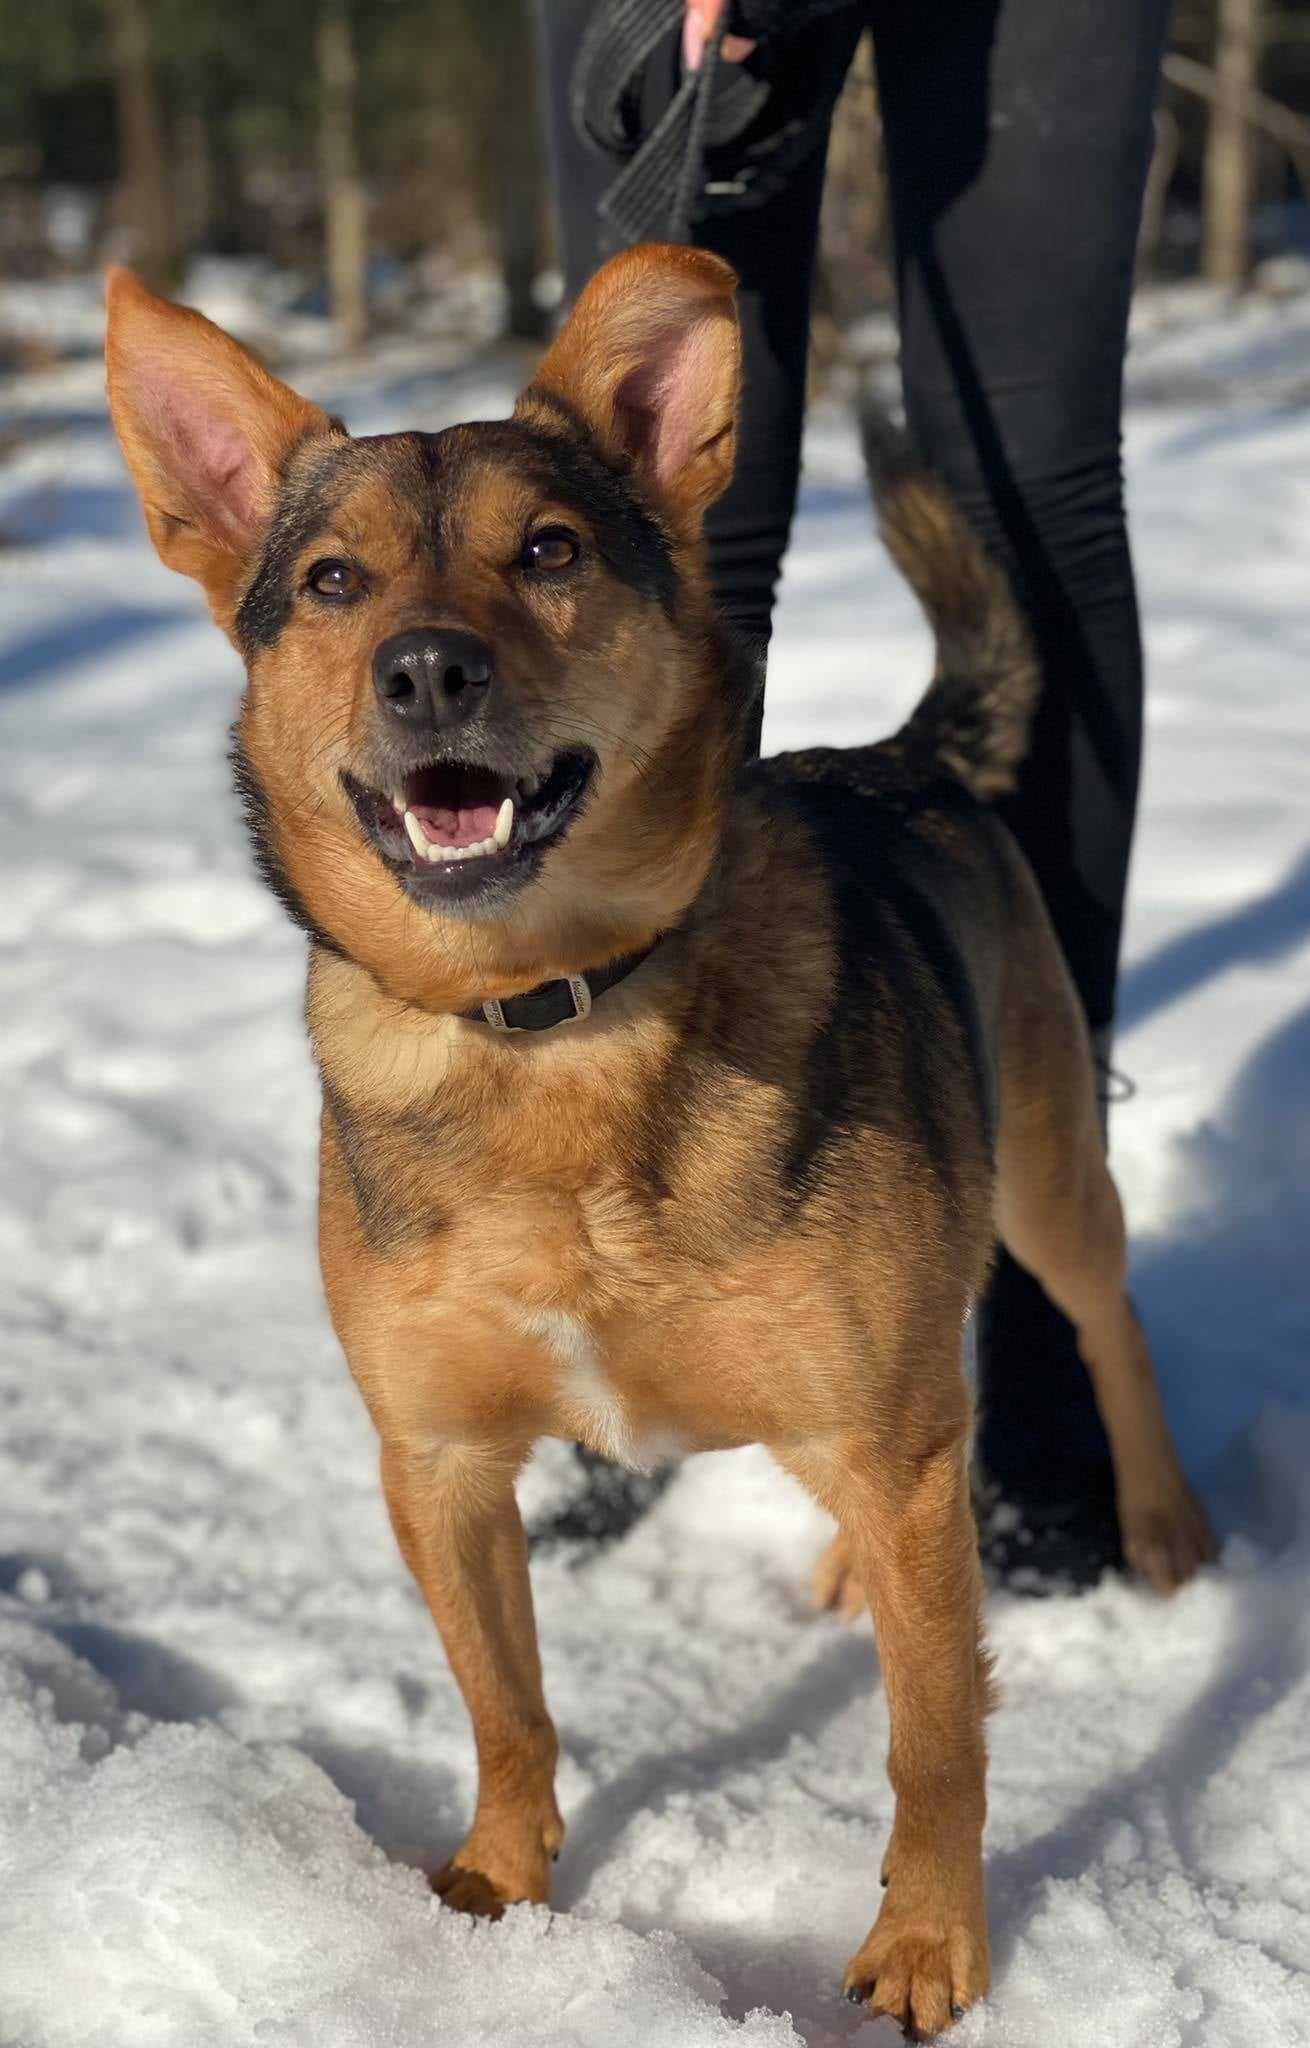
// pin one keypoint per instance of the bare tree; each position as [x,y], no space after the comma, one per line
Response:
[143,158]
[515,190]
[852,271]
[1230,157]
[343,194]
[502,109]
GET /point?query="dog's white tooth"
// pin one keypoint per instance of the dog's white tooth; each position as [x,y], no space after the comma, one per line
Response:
[479,849]
[398,804]
[504,823]
[416,837]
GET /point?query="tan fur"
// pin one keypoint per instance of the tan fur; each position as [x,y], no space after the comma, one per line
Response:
[646,1228]
[153,349]
[637,328]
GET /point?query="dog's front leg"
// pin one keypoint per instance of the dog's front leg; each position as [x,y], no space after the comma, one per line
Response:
[911,1536]
[458,1526]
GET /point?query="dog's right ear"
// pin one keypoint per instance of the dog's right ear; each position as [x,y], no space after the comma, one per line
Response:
[205,432]
[649,361]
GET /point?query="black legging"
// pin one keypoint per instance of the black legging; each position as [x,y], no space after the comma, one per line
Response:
[1017,138]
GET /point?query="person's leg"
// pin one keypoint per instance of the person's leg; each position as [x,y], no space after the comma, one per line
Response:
[1018,137]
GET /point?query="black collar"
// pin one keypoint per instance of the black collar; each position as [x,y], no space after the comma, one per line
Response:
[557,1002]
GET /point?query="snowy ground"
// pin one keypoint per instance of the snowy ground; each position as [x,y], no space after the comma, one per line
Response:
[226,1730]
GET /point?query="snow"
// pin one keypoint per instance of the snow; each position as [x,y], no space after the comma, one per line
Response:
[227,1733]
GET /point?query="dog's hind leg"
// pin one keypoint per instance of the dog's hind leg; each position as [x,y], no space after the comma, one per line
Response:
[458,1527]
[1058,1214]
[909,1526]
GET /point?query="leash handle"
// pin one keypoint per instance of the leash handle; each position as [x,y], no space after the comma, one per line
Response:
[658,190]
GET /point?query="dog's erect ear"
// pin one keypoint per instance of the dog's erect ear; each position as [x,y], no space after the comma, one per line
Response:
[204,430]
[649,359]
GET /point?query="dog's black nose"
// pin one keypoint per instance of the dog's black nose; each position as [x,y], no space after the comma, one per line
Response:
[432,678]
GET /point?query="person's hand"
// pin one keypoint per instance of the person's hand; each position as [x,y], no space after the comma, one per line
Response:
[698,25]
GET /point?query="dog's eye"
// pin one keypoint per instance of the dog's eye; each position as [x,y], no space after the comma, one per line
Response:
[335,579]
[550,548]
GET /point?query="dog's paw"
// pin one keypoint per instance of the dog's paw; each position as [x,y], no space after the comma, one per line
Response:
[499,1865]
[471,1891]
[834,1583]
[1166,1539]
[921,1975]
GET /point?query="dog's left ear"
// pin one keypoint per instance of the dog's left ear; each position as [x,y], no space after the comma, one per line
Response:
[649,359]
[205,431]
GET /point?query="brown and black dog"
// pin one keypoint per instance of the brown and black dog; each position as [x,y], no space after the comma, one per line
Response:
[819,1047]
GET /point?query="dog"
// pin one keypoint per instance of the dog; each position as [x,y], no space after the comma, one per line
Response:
[670,1099]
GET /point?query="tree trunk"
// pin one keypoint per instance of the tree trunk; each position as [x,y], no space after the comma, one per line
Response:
[343,195]
[514,172]
[194,182]
[517,198]
[143,159]
[1230,157]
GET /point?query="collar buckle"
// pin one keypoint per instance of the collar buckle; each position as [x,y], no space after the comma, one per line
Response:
[580,990]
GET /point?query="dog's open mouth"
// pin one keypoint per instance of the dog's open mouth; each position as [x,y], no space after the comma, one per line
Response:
[452,827]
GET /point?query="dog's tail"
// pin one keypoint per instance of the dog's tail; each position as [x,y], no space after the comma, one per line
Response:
[975,718]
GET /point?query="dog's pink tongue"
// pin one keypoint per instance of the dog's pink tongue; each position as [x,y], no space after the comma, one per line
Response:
[445,826]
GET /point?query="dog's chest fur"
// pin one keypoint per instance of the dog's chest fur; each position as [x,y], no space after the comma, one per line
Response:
[577,1295]
[594,1240]
[679,1223]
